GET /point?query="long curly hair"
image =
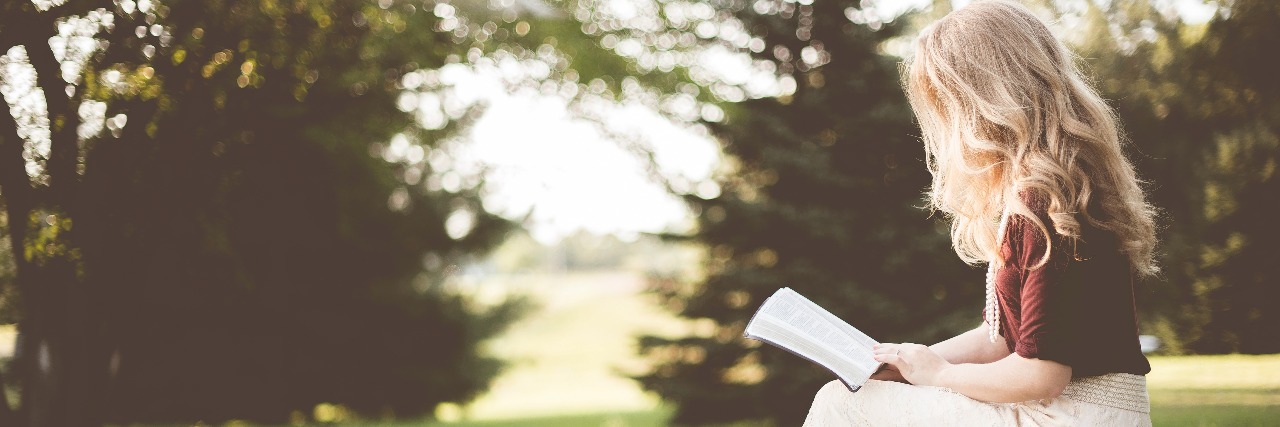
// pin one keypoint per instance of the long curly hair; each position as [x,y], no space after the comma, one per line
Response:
[1005,112]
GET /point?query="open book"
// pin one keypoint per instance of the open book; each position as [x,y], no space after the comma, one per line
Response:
[792,322]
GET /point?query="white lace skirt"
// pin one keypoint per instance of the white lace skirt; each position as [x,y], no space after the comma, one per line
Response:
[1105,400]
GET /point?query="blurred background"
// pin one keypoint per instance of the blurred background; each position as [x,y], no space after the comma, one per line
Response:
[560,212]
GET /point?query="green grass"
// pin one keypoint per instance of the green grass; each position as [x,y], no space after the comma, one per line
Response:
[1215,415]
[1223,390]
[656,417]
[1226,390]
[1219,372]
[569,357]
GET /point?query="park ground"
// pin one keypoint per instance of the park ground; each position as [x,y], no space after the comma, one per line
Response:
[570,356]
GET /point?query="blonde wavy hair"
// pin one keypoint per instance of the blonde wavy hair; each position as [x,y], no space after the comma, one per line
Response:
[1004,113]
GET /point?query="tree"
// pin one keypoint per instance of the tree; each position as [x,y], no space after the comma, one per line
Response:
[227,249]
[1236,278]
[824,196]
[230,249]
[1204,123]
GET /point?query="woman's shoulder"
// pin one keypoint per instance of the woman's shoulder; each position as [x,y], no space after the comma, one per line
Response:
[1032,231]
[1029,225]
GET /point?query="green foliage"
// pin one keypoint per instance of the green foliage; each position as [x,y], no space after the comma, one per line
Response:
[1237,271]
[255,240]
[823,196]
[244,248]
[1205,122]
[240,238]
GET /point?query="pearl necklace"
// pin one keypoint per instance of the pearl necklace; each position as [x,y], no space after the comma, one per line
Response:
[991,312]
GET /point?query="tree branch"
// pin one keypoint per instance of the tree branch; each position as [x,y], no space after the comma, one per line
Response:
[33,30]
[63,115]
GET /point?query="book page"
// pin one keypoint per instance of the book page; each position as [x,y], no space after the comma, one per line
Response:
[819,325]
[862,339]
[792,322]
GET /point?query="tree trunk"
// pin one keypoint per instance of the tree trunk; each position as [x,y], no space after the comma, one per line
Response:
[56,356]
[15,189]
[55,360]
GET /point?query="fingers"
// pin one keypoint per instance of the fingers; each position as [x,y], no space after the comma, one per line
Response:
[890,354]
[898,349]
[885,369]
[897,355]
[892,359]
[886,349]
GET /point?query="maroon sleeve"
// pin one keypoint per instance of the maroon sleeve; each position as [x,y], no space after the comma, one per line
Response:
[1046,320]
[1077,309]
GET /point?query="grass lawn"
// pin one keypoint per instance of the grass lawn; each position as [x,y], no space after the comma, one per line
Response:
[569,360]
[554,374]
[653,417]
[1229,390]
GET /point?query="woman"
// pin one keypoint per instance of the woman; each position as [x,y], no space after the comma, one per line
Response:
[1027,165]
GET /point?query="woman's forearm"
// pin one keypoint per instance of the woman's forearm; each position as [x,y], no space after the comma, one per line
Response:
[971,347]
[1011,379]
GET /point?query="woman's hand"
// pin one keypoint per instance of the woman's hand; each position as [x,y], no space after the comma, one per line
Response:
[916,363]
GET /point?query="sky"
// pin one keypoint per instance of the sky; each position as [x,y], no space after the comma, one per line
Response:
[564,176]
